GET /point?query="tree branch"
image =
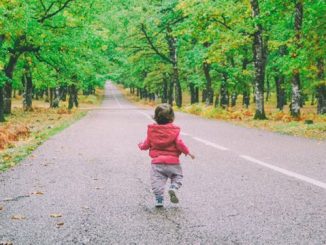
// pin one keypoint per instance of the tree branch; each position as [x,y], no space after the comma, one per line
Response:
[50,15]
[223,23]
[27,48]
[21,46]
[61,27]
[49,8]
[41,59]
[149,41]
[43,6]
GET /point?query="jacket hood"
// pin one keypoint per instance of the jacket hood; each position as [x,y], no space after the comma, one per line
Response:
[163,135]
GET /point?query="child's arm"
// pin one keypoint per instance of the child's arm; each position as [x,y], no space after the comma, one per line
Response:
[183,148]
[144,145]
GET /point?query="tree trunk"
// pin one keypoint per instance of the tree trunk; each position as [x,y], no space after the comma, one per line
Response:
[321,89]
[246,88]
[145,94]
[2,117]
[51,93]
[63,92]
[209,91]
[47,96]
[178,90]
[203,96]
[192,93]
[28,85]
[296,96]
[321,98]
[36,93]
[268,88]
[224,92]
[279,82]
[9,71]
[216,100]
[296,91]
[246,98]
[170,93]
[172,41]
[73,96]
[164,97]
[196,95]
[280,92]
[56,99]
[234,98]
[259,51]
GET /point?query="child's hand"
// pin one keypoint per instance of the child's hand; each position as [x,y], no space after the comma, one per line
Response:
[140,144]
[191,155]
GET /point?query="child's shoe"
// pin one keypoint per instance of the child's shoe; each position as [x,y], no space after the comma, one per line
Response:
[159,202]
[173,194]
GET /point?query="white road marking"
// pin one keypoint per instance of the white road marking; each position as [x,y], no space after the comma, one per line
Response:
[286,172]
[116,99]
[251,159]
[113,95]
[219,147]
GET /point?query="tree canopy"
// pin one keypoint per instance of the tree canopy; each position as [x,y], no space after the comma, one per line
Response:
[55,44]
[224,48]
[162,48]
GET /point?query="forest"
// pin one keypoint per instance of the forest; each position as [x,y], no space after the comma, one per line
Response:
[222,51]
[217,51]
[51,50]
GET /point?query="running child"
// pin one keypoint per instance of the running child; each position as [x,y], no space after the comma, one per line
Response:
[165,146]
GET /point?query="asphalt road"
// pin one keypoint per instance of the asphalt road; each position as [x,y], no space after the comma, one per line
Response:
[246,186]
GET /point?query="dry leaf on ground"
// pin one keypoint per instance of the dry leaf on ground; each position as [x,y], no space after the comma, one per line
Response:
[37,193]
[55,215]
[18,217]
[60,224]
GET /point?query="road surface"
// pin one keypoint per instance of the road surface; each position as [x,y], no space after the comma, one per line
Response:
[90,185]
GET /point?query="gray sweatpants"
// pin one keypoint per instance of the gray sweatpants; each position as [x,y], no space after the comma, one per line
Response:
[160,173]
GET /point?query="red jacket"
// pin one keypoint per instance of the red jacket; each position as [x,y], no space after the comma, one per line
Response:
[164,144]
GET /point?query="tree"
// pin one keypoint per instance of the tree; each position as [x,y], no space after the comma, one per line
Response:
[259,50]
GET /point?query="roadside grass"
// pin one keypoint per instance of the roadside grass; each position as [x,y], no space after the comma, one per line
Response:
[24,131]
[310,125]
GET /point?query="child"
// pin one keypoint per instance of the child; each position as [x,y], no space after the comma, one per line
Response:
[165,147]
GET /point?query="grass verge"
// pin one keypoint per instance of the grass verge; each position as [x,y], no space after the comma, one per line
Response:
[41,123]
[17,152]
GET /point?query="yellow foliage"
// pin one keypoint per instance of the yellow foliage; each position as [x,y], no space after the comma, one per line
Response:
[236,115]
[12,133]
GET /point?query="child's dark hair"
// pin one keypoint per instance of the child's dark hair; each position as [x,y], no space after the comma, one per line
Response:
[164,114]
